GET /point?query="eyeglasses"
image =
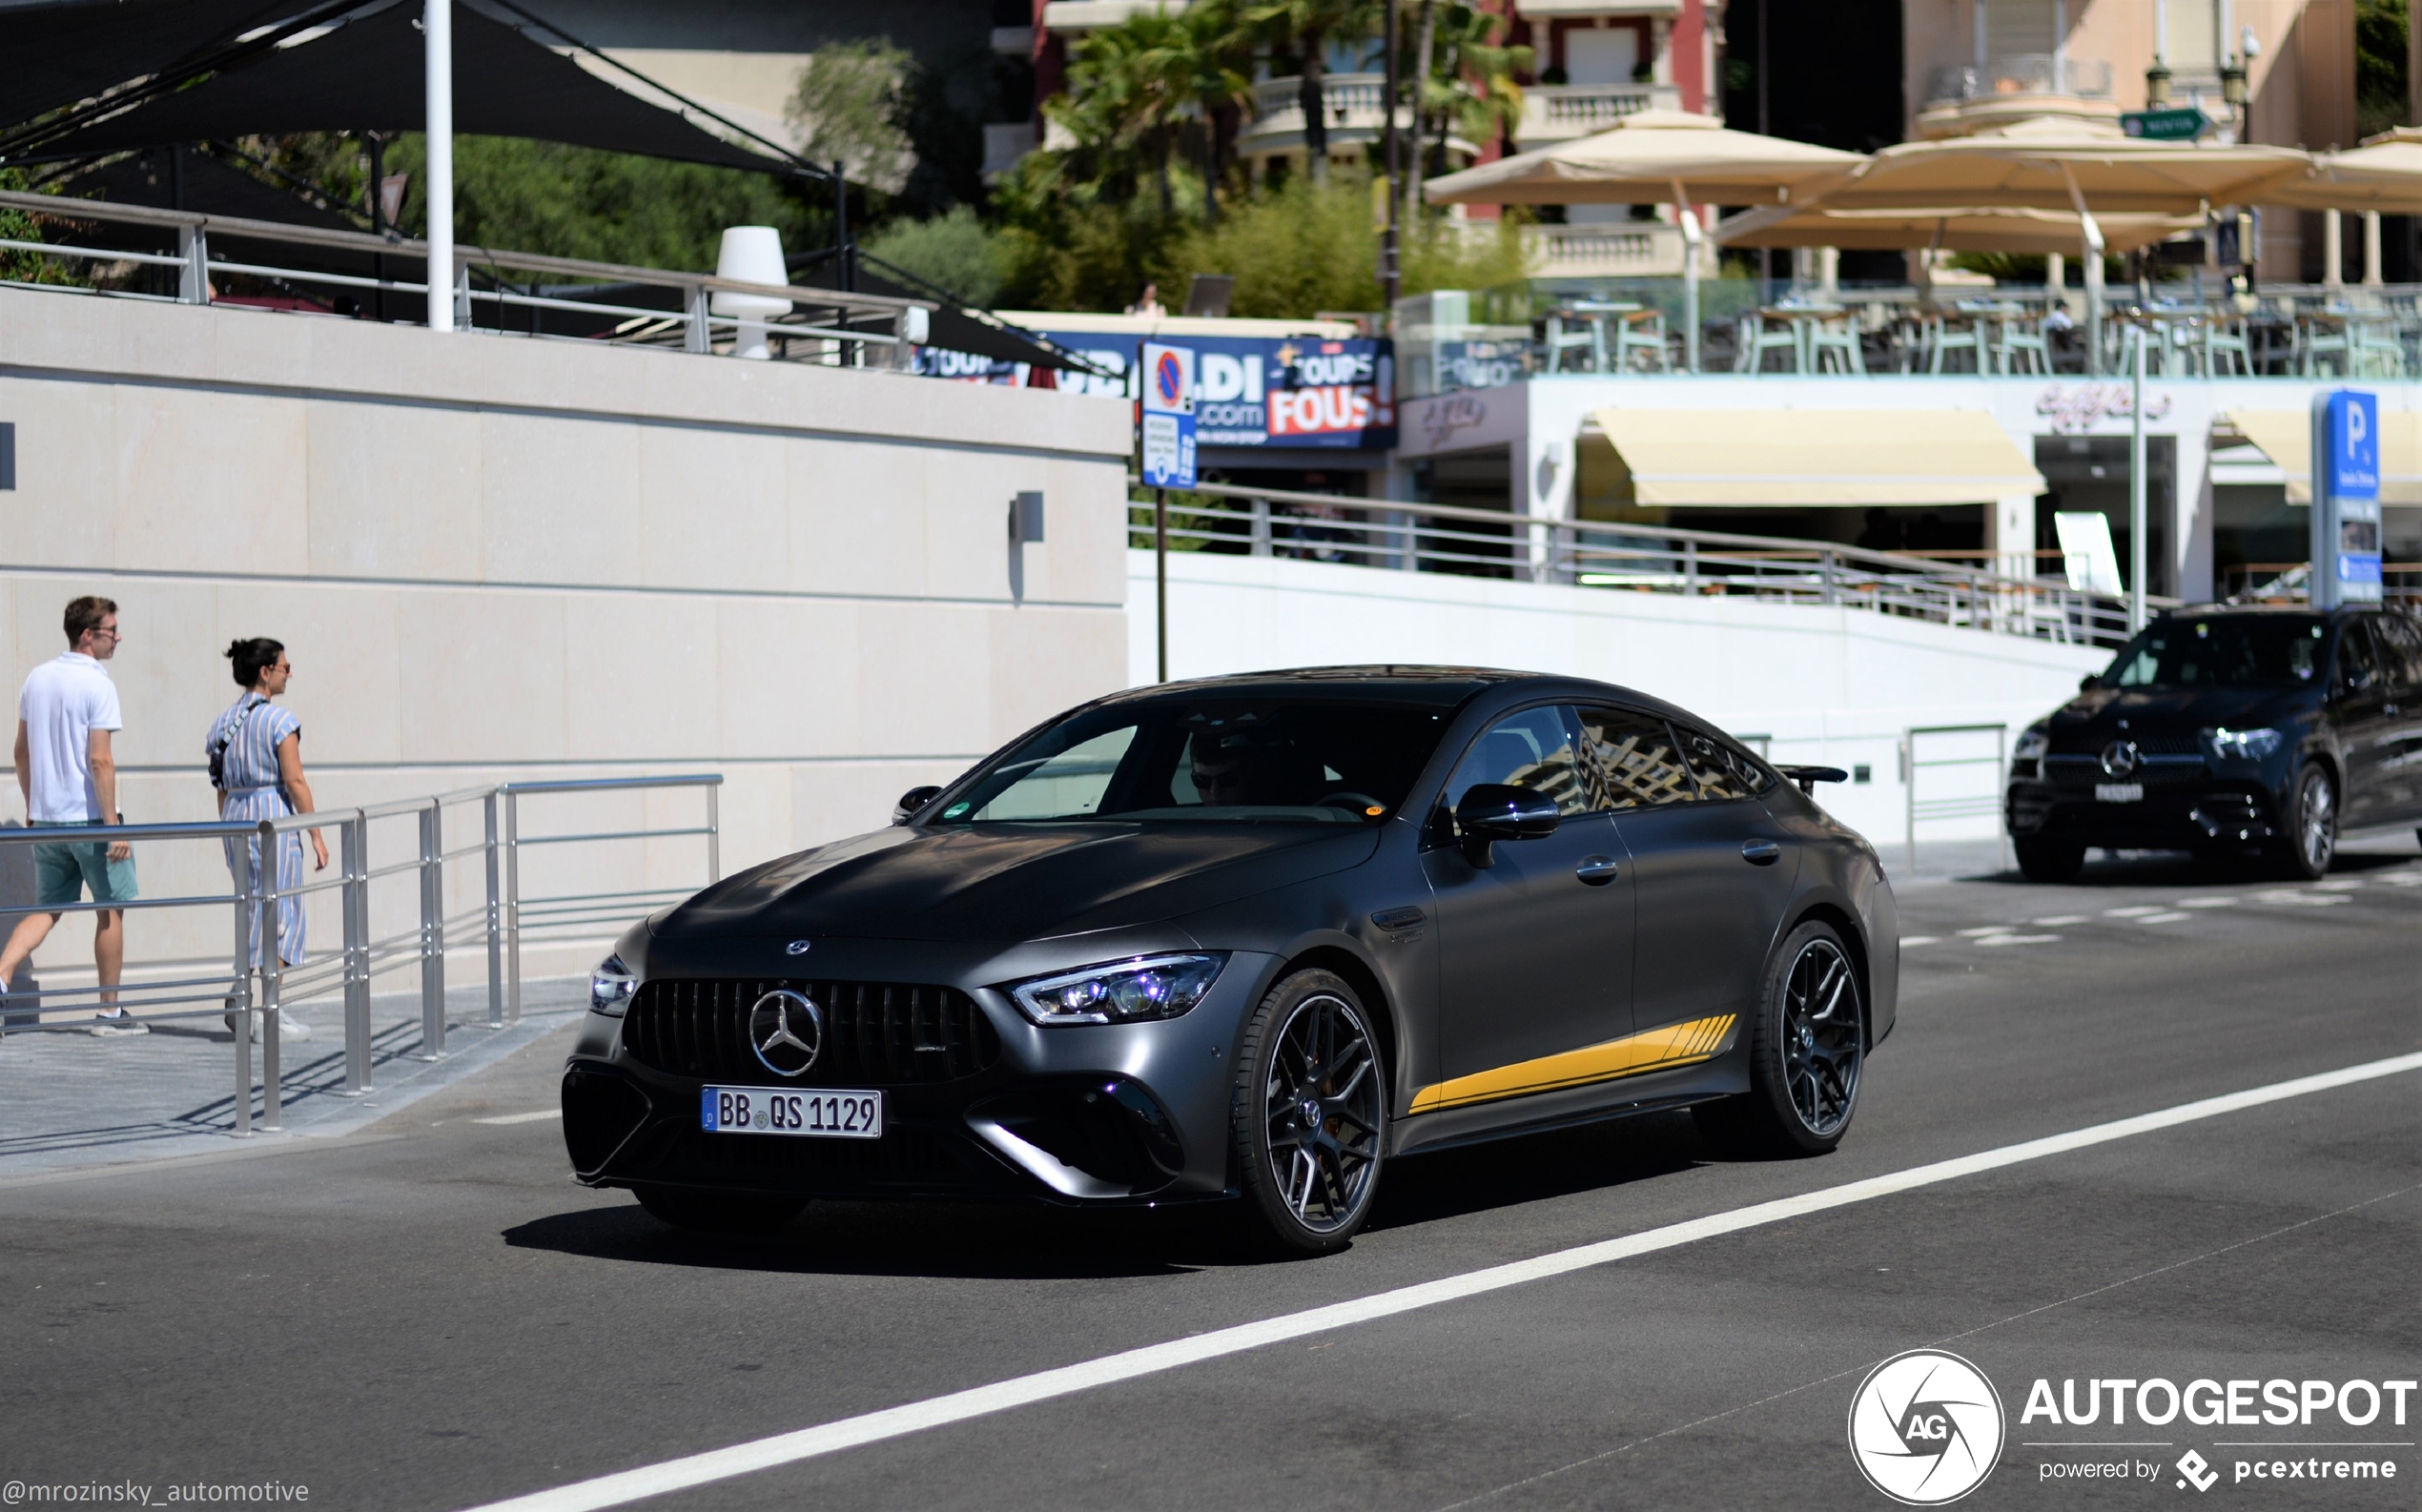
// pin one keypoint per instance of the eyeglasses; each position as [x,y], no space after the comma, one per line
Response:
[110,630]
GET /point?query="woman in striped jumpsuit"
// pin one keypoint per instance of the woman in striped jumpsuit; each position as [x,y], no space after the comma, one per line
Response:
[256,762]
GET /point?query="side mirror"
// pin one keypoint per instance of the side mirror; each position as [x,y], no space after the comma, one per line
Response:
[914,799]
[2089,682]
[1493,811]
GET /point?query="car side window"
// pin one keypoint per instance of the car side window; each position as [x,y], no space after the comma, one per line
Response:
[2401,641]
[1636,764]
[1723,770]
[1538,749]
[2357,667]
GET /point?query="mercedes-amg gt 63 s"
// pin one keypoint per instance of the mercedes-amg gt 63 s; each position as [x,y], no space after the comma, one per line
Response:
[1250,938]
[2232,732]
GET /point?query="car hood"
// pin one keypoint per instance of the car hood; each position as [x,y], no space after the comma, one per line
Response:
[1011,882]
[2168,710]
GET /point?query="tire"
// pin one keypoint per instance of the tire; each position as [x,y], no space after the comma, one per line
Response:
[2312,824]
[2049,860]
[1808,1049]
[1308,1182]
[720,1212]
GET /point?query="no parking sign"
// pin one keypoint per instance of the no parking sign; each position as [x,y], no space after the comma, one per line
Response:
[1168,415]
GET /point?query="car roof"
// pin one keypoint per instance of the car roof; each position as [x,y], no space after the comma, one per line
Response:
[1395,683]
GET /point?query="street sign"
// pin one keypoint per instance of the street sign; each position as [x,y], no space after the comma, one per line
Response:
[2183,124]
[1168,415]
[2346,499]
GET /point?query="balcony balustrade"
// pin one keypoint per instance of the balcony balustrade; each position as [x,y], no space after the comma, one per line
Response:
[1559,113]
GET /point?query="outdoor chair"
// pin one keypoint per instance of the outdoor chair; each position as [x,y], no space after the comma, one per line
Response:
[2375,352]
[2224,348]
[2315,347]
[2022,349]
[1579,334]
[1834,347]
[1756,340]
[1641,336]
[1944,337]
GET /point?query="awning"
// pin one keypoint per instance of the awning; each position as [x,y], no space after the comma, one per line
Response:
[2285,438]
[58,54]
[367,75]
[1802,457]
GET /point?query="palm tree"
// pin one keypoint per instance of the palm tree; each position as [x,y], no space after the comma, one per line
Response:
[1309,26]
[1211,75]
[1470,82]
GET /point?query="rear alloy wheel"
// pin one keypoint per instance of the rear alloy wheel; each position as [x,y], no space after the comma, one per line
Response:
[1310,1121]
[2312,824]
[1807,1049]
[2049,860]
[720,1212]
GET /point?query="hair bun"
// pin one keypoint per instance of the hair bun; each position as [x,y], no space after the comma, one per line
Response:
[235,649]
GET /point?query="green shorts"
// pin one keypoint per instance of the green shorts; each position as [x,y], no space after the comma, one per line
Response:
[61,872]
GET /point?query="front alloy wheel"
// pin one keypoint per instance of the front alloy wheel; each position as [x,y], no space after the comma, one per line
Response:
[1807,1047]
[2313,837]
[1311,1114]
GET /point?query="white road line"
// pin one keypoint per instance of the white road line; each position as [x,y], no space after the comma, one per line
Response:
[524,1117]
[1989,928]
[2058,919]
[2136,912]
[1908,940]
[2019,939]
[2163,918]
[2338,885]
[2207,902]
[892,1422]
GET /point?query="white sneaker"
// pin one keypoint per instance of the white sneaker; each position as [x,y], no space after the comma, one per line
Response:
[121,1022]
[290,1028]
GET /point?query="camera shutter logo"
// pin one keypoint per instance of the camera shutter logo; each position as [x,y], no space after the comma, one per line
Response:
[1925,1427]
[785,1029]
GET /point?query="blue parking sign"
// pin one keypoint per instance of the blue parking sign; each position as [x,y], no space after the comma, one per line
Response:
[2346,499]
[1168,417]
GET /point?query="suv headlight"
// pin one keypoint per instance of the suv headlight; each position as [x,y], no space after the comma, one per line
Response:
[2244,744]
[1120,992]
[610,987]
[2035,742]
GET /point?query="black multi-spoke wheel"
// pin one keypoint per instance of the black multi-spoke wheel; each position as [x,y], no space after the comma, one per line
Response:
[2312,824]
[1311,1113]
[1807,1044]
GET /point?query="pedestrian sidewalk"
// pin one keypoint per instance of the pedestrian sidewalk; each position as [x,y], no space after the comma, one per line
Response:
[71,1099]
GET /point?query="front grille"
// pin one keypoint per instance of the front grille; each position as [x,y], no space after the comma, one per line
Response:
[875,1033]
[2149,745]
[2164,772]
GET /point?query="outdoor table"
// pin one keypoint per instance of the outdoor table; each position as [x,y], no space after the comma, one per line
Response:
[1592,313]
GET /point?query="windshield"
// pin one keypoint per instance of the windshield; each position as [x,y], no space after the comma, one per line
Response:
[1270,761]
[2243,651]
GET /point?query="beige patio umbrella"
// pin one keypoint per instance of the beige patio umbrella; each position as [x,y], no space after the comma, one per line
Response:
[2384,175]
[2049,163]
[1652,158]
[1962,229]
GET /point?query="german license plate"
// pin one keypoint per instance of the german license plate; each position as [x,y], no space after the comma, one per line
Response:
[2119,792]
[801,1114]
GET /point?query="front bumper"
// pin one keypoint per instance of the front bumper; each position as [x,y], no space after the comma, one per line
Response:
[2200,815]
[1071,1114]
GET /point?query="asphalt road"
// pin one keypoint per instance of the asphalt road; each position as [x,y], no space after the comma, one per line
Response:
[429,1315]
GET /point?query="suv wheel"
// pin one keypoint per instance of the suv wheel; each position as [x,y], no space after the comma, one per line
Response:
[720,1212]
[1310,1128]
[2312,824]
[2049,860]
[1807,1049]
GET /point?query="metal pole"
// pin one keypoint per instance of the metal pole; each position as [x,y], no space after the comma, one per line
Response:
[1688,219]
[436,25]
[433,931]
[354,841]
[512,906]
[495,921]
[2135,486]
[1909,795]
[714,832]
[271,967]
[239,993]
[1160,578]
[1389,281]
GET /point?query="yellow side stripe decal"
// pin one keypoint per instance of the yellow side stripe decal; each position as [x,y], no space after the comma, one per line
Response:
[1657,1050]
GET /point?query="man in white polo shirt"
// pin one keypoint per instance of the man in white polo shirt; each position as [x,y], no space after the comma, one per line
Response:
[65,717]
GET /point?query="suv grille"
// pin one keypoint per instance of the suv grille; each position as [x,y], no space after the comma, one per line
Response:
[2149,745]
[875,1033]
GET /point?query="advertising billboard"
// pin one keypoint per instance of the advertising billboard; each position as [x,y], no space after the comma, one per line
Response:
[1297,390]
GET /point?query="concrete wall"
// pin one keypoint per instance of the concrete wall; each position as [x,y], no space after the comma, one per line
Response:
[1833,687]
[500,558]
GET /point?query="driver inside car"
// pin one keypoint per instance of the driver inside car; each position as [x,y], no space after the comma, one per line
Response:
[1249,767]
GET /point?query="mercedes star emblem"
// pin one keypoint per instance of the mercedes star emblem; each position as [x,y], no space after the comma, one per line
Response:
[795,948]
[2120,758]
[785,1029]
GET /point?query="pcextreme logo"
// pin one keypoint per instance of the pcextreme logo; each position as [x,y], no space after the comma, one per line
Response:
[1925,1427]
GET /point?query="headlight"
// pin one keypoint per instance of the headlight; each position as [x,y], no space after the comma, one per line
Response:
[610,987]
[2034,744]
[1120,992]
[2244,744]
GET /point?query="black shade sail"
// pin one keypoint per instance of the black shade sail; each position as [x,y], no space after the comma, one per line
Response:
[366,75]
[58,54]
[948,327]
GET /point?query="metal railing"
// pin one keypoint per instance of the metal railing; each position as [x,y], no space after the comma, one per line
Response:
[1403,536]
[602,301]
[257,980]
[1958,806]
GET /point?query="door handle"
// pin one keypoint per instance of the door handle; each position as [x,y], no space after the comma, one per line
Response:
[1761,852]
[1597,871]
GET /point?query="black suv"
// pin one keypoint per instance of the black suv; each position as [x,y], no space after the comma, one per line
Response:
[2229,731]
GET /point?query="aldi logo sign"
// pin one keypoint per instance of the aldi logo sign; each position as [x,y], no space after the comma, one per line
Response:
[1248,390]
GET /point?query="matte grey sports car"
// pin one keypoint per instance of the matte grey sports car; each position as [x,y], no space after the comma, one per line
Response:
[1250,938]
